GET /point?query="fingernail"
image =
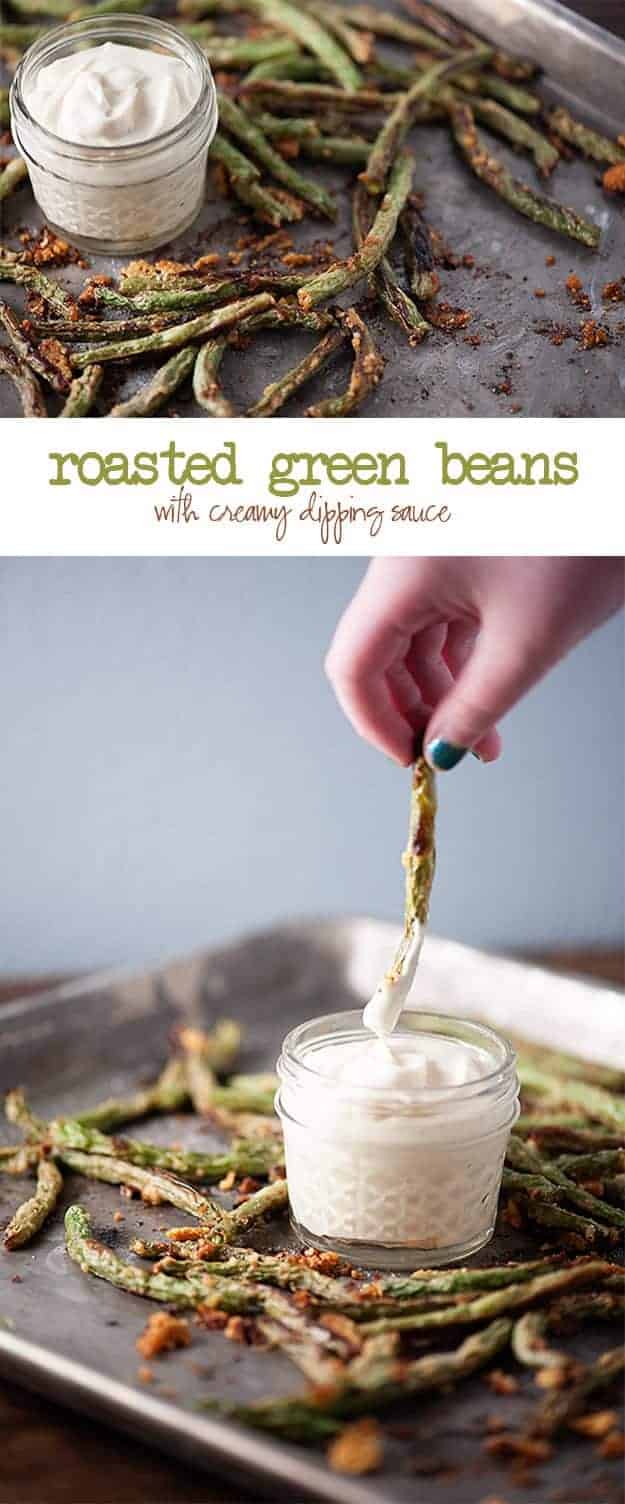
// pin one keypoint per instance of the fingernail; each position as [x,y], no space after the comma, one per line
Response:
[445,755]
[477,754]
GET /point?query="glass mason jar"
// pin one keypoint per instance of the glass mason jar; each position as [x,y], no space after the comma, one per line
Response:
[393,1177]
[117,199]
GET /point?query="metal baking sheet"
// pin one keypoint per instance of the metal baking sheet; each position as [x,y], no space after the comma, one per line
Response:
[516,368]
[72,1338]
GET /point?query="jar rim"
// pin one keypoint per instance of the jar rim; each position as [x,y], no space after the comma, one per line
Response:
[348,1026]
[118,27]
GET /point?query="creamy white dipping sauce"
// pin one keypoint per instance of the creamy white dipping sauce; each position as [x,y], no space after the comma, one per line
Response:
[115,135]
[112,95]
[402,1062]
[391,995]
[395,1144]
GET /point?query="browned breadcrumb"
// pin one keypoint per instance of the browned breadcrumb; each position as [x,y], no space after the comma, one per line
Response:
[302,1299]
[145,1375]
[550,261]
[373,1290]
[206,1250]
[500,1382]
[118,1216]
[37,307]
[184,1234]
[539,292]
[151,1196]
[576,292]
[556,1377]
[137,268]
[595,1425]
[613,1445]
[614,292]
[358,1449]
[492,1500]
[205,263]
[229,1181]
[211,1318]
[527,1448]
[325,1262]
[298,258]
[474,340]
[276,240]
[163,1332]
[444,316]
[88,297]
[168,267]
[344,1327]
[443,255]
[593,335]
[248,1186]
[48,249]
[557,334]
[236,1329]
[614,178]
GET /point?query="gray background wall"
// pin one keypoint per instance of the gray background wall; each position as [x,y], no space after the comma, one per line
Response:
[174,769]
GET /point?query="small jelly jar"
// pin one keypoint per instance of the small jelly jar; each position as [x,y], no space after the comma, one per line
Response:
[117,199]
[395,1177]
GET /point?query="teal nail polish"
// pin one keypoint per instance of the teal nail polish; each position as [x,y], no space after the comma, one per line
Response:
[445,755]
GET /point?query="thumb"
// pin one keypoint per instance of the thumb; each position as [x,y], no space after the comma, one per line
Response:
[501,668]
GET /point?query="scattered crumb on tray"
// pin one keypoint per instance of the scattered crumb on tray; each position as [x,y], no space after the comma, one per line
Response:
[162,1334]
[576,292]
[502,1383]
[358,1449]
[594,335]
[596,1425]
[614,292]
[45,248]
[212,1319]
[556,1377]
[529,1449]
[614,179]
[613,1445]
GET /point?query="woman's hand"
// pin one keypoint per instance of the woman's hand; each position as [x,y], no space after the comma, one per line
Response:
[444,647]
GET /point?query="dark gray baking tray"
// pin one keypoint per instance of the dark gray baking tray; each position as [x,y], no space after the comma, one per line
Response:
[516,367]
[72,1338]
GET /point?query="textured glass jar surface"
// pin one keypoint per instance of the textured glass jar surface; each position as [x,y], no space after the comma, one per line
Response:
[132,196]
[419,1169]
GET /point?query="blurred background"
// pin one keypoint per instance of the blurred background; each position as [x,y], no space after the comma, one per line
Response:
[176,770]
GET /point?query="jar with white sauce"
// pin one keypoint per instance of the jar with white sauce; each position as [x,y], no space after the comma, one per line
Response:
[114,117]
[395,1144]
